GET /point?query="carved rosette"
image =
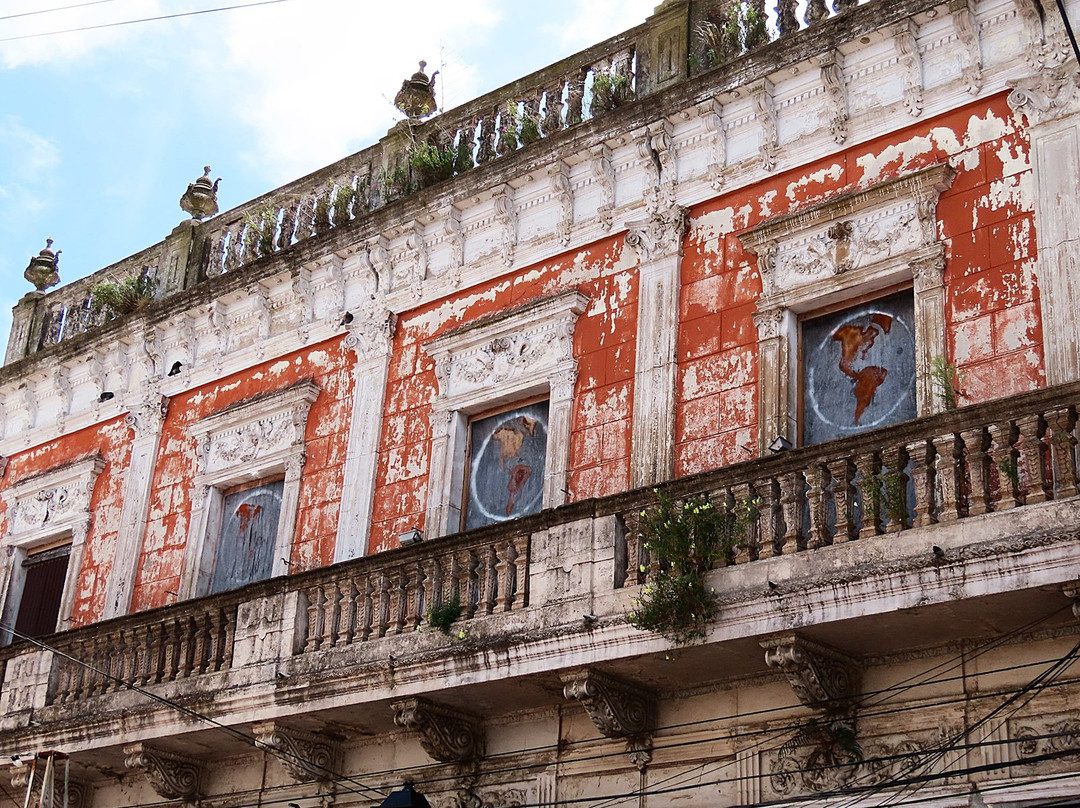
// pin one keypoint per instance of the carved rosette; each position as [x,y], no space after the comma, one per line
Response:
[618,708]
[305,756]
[658,236]
[821,677]
[1033,741]
[172,776]
[446,735]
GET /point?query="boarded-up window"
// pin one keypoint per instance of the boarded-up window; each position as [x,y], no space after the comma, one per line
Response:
[43,587]
[249,524]
[507,457]
[859,368]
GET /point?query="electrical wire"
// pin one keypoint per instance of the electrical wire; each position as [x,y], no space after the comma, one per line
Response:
[142,20]
[58,8]
[236,733]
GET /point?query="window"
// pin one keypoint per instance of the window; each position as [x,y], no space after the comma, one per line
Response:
[507,457]
[832,361]
[858,368]
[246,491]
[48,522]
[512,361]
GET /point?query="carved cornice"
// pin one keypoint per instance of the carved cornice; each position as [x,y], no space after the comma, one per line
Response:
[172,776]
[446,735]
[305,756]
[659,236]
[1048,96]
[618,708]
[50,503]
[822,678]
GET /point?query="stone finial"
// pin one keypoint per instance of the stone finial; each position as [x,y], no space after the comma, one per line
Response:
[43,269]
[200,198]
[416,98]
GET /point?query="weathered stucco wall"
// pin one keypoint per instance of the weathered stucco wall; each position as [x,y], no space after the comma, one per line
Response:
[992,313]
[329,366]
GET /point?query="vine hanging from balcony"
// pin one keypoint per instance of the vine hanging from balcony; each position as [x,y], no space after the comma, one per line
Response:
[686,540]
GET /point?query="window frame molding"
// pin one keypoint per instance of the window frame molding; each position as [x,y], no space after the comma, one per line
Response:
[524,353]
[254,439]
[835,251]
[32,523]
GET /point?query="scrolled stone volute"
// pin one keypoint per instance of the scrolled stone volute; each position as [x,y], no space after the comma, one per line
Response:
[618,708]
[172,776]
[821,677]
[446,735]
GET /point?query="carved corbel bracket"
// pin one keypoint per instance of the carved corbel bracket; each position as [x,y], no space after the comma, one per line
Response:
[604,173]
[822,678]
[831,65]
[305,756]
[905,36]
[658,236]
[370,337]
[761,95]
[1047,96]
[618,708]
[506,215]
[447,735]
[559,174]
[172,776]
[711,113]
[967,31]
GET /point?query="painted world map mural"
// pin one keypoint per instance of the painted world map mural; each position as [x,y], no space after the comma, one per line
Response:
[858,368]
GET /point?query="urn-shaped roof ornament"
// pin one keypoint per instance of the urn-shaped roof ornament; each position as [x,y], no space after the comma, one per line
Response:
[200,198]
[43,269]
[416,98]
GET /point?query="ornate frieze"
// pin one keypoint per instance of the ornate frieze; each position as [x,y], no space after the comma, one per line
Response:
[1034,740]
[447,735]
[618,708]
[52,502]
[172,776]
[264,427]
[307,757]
[822,678]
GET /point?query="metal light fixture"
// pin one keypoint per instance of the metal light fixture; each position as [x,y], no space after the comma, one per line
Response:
[780,444]
[410,536]
[405,797]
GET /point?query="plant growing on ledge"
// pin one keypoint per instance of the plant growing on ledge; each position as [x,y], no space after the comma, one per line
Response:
[728,31]
[260,226]
[444,615]
[946,381]
[610,90]
[434,162]
[688,539]
[117,298]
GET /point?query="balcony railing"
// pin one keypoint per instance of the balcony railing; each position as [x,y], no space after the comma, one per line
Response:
[993,457]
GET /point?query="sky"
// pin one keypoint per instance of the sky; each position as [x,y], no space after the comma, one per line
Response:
[102,129]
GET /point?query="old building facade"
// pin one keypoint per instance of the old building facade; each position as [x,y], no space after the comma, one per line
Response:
[815,262]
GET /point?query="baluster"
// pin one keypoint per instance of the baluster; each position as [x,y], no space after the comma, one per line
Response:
[315,617]
[1003,452]
[382,615]
[1033,456]
[471,589]
[218,624]
[921,455]
[504,594]
[158,662]
[433,586]
[83,675]
[1062,423]
[817,480]
[786,19]
[747,550]
[349,608]
[486,150]
[792,486]
[170,651]
[553,104]
[228,637]
[520,571]
[186,656]
[978,470]
[489,583]
[767,517]
[414,614]
[868,466]
[288,224]
[367,609]
[947,473]
[815,10]
[894,484]
[203,643]
[842,471]
[233,249]
[331,614]
[575,96]
[65,681]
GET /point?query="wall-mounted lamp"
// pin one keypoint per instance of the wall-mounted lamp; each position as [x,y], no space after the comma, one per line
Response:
[410,536]
[780,444]
[405,797]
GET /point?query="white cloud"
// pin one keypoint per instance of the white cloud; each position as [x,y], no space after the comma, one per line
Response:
[596,20]
[27,162]
[315,81]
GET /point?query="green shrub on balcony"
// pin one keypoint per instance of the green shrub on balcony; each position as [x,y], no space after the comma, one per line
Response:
[118,298]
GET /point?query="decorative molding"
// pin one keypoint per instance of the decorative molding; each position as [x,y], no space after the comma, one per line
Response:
[172,776]
[822,677]
[831,67]
[1046,738]
[761,95]
[905,38]
[1050,95]
[604,173]
[506,216]
[80,794]
[711,113]
[559,173]
[453,233]
[618,708]
[306,757]
[658,236]
[967,31]
[657,151]
[446,735]
[50,503]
